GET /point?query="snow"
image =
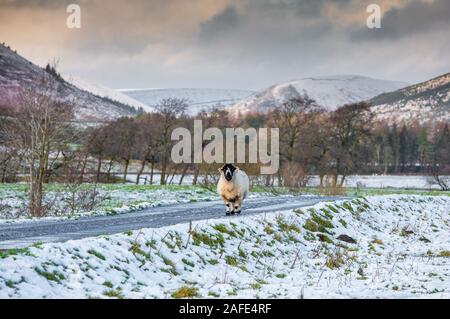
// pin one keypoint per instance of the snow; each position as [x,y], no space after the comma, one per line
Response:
[384,181]
[401,251]
[17,72]
[423,102]
[199,98]
[112,200]
[370,181]
[330,92]
[103,91]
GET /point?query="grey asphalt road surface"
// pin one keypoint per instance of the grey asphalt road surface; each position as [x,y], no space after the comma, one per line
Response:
[25,234]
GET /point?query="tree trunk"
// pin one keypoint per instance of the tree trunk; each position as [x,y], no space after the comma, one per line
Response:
[125,172]
[341,183]
[321,176]
[83,169]
[141,170]
[151,172]
[108,171]
[183,174]
[196,173]
[99,167]
[163,172]
[267,183]
[173,175]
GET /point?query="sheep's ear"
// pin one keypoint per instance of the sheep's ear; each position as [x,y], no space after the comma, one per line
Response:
[237,168]
[220,170]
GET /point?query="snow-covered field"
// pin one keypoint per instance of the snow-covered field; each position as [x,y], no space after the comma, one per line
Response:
[369,181]
[395,247]
[385,181]
[110,199]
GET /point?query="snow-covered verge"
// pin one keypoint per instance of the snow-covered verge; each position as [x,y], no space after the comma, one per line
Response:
[102,200]
[381,246]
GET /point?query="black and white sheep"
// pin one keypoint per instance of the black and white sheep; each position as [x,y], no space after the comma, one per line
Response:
[233,187]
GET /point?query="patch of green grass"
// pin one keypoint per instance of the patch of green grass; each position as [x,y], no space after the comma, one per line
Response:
[424,239]
[444,253]
[96,254]
[324,238]
[268,230]
[255,286]
[213,294]
[108,284]
[151,244]
[242,254]
[50,276]
[185,292]
[309,236]
[377,241]
[112,293]
[136,250]
[10,284]
[187,262]
[231,260]
[322,221]
[213,261]
[311,225]
[15,251]
[212,240]
[224,229]
[286,227]
[281,276]
[172,269]
[333,208]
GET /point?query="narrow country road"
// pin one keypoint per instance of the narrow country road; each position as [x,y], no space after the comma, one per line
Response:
[27,233]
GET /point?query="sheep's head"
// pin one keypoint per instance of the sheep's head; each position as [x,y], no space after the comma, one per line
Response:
[228,171]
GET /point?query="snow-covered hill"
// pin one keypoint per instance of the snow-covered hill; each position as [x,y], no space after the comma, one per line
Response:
[199,98]
[330,92]
[423,102]
[104,91]
[16,73]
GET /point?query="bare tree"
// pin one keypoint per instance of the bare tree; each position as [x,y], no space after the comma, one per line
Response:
[292,118]
[351,125]
[147,142]
[39,124]
[169,109]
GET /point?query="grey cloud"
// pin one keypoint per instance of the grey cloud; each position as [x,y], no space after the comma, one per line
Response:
[232,43]
[219,24]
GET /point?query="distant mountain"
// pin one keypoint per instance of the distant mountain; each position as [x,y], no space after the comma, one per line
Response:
[106,92]
[423,102]
[16,72]
[329,92]
[199,98]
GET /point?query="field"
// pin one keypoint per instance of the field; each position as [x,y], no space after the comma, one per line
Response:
[391,246]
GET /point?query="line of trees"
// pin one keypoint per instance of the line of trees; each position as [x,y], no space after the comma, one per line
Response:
[38,140]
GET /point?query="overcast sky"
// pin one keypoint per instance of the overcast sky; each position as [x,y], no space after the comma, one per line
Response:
[248,44]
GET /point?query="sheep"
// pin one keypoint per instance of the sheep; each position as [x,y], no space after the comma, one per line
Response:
[233,187]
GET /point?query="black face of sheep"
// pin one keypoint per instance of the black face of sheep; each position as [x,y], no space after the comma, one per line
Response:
[228,171]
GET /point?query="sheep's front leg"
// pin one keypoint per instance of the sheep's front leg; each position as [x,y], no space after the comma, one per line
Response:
[229,209]
[237,206]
